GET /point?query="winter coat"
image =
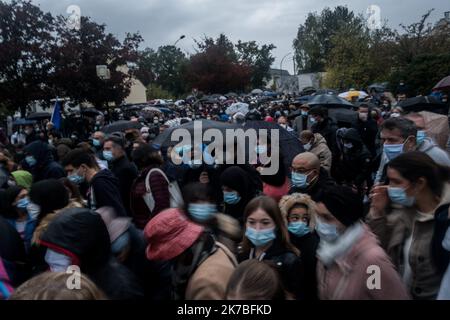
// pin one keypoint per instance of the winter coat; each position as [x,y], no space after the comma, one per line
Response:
[320,148]
[368,131]
[82,235]
[348,277]
[210,280]
[301,123]
[126,172]
[394,228]
[159,187]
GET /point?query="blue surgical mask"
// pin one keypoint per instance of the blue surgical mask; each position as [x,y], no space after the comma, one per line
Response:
[23,203]
[96,142]
[260,238]
[393,150]
[304,113]
[76,178]
[261,149]
[299,180]
[421,135]
[398,195]
[231,197]
[202,211]
[108,155]
[326,231]
[31,161]
[298,228]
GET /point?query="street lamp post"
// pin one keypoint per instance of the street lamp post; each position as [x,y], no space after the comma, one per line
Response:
[180,38]
[281,67]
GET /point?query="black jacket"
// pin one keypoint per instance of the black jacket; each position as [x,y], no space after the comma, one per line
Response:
[126,172]
[46,167]
[106,192]
[308,246]
[368,131]
[323,181]
[84,235]
[327,128]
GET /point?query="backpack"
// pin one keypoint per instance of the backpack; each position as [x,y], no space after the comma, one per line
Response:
[176,198]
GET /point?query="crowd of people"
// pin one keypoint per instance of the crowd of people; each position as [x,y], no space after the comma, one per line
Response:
[362,213]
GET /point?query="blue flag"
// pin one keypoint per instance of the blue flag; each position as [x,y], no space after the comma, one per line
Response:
[56,115]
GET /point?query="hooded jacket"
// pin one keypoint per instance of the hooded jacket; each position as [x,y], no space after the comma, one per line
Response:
[104,192]
[320,148]
[45,167]
[82,235]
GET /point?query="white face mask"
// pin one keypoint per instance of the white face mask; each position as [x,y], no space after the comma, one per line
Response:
[57,262]
[307,146]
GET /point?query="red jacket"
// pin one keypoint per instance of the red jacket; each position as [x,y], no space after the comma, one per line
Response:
[141,214]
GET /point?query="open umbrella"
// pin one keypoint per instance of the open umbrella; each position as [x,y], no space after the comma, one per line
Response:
[172,123]
[23,122]
[424,103]
[326,91]
[290,146]
[151,109]
[121,125]
[329,101]
[39,116]
[231,94]
[444,84]
[91,112]
[349,95]
[165,138]
[237,107]
[256,91]
[379,87]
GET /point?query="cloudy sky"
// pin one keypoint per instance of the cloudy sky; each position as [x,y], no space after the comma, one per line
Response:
[267,21]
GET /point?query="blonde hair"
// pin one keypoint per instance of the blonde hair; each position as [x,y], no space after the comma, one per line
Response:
[53,286]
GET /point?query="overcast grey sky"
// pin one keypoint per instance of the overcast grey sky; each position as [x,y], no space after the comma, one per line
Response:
[266,21]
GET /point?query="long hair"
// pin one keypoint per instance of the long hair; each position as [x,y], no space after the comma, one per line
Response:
[415,165]
[270,206]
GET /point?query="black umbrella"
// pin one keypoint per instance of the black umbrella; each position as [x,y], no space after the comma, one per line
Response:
[23,122]
[329,101]
[39,116]
[165,138]
[378,87]
[120,126]
[290,146]
[444,84]
[91,112]
[424,103]
[326,91]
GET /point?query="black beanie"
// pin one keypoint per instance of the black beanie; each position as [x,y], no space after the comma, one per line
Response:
[343,203]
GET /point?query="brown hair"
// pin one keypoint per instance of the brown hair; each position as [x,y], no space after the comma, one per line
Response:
[270,206]
[53,286]
[255,280]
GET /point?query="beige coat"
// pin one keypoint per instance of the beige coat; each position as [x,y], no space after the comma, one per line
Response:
[210,280]
[394,229]
[321,150]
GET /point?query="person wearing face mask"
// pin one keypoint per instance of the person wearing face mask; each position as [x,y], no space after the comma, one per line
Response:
[307,176]
[347,250]
[40,162]
[238,190]
[103,186]
[266,238]
[299,211]
[80,237]
[404,214]
[367,128]
[399,135]
[30,134]
[123,169]
[317,144]
[302,122]
[201,265]
[282,121]
[14,203]
[432,128]
[147,158]
[98,140]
